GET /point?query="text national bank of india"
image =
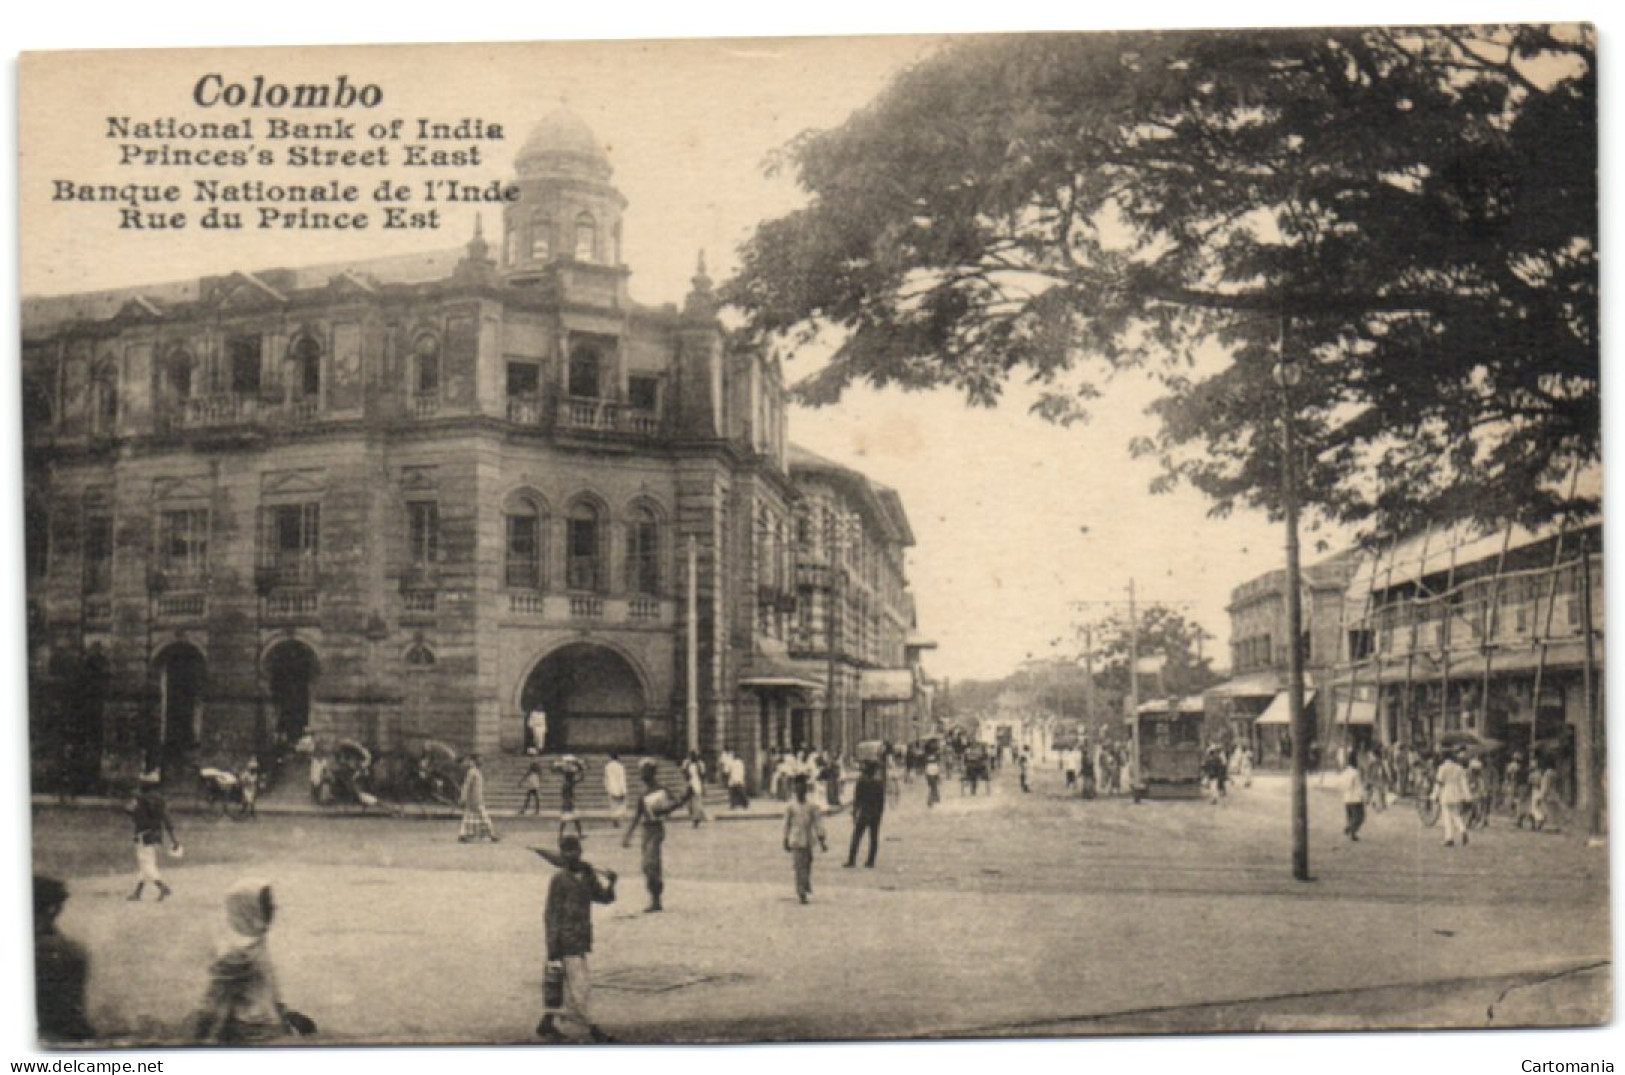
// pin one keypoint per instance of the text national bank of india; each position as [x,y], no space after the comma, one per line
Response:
[414,499]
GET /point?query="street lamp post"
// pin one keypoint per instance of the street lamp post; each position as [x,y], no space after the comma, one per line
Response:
[1287,376]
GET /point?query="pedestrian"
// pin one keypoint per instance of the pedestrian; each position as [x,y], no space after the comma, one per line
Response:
[1069,766]
[243,1004]
[694,777]
[1542,794]
[615,788]
[1024,761]
[476,821]
[830,772]
[1353,786]
[780,788]
[61,969]
[149,813]
[536,730]
[655,805]
[248,783]
[1512,786]
[933,781]
[868,807]
[568,923]
[1454,795]
[803,822]
[531,783]
[570,769]
[318,776]
[737,797]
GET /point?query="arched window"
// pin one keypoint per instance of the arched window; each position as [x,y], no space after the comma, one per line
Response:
[586,237]
[426,365]
[306,358]
[584,371]
[643,552]
[510,245]
[104,401]
[180,376]
[541,237]
[584,547]
[419,657]
[522,565]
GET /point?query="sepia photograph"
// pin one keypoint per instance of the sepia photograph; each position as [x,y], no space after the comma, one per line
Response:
[893,538]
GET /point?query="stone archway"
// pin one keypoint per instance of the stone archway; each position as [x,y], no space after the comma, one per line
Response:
[290,674]
[180,677]
[593,696]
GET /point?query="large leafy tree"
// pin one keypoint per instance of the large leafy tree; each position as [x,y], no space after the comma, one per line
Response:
[1171,649]
[1410,215]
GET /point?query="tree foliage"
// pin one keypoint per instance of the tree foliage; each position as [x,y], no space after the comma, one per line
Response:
[1167,638]
[1410,216]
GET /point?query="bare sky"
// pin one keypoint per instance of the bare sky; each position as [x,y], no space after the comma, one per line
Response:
[1016,520]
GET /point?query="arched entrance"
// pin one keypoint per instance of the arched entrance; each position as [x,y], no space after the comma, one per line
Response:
[180,675]
[593,698]
[290,672]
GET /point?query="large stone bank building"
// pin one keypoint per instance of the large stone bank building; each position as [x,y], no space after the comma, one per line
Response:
[416,498]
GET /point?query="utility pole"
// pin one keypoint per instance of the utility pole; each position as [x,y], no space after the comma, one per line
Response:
[691,709]
[1134,685]
[1590,742]
[1287,376]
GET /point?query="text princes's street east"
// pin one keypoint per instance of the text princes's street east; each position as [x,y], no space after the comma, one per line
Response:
[281,142]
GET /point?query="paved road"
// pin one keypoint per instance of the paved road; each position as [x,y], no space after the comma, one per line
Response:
[1010,915]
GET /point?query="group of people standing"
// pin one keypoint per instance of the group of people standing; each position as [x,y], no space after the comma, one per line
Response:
[1096,769]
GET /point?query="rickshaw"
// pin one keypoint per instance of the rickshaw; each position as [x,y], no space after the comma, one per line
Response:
[1165,759]
[349,776]
[437,775]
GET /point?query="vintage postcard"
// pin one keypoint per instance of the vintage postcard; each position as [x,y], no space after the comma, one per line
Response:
[805,539]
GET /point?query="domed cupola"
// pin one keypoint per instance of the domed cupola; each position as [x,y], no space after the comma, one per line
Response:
[568,215]
[562,145]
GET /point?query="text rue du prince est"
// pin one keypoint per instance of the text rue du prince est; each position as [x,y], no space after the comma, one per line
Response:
[270,124]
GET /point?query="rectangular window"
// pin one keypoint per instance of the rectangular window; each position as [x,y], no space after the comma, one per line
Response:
[243,353]
[524,559]
[524,380]
[643,558]
[584,373]
[582,539]
[292,542]
[643,392]
[183,543]
[98,554]
[423,533]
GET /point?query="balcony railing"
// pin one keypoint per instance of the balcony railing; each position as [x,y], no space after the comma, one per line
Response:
[525,410]
[425,406]
[292,603]
[593,414]
[643,608]
[184,606]
[222,410]
[606,416]
[584,607]
[526,603]
[303,410]
[418,601]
